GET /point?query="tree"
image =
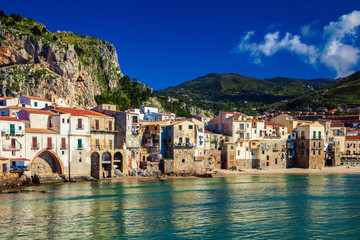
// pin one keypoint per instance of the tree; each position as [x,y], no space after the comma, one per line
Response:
[36,30]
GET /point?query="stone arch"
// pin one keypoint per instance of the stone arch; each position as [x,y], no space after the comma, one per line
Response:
[118,161]
[95,165]
[46,162]
[106,161]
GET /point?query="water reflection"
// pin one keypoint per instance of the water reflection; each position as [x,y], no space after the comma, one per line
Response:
[256,207]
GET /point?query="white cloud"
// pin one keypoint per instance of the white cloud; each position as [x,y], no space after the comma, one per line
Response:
[337,54]
[338,51]
[272,44]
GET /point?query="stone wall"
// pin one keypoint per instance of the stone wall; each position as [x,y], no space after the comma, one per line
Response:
[9,180]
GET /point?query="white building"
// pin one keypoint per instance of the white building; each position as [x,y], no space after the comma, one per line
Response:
[13,141]
[34,102]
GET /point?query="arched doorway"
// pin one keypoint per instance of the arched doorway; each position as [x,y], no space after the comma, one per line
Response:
[106,163]
[118,161]
[46,163]
[95,165]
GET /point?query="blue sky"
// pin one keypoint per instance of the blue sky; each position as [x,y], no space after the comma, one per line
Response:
[165,43]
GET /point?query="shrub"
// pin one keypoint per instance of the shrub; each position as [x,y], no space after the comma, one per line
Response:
[36,30]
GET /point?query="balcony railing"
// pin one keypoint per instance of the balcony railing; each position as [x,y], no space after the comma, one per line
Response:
[80,127]
[50,146]
[35,146]
[63,146]
[11,147]
[102,146]
[184,145]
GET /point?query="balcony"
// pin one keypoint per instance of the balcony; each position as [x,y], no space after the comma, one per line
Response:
[184,145]
[63,146]
[79,127]
[5,132]
[11,147]
[50,146]
[35,146]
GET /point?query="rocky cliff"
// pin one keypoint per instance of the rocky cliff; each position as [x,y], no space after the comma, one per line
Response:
[34,61]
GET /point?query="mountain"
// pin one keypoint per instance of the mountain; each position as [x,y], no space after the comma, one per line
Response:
[34,61]
[236,92]
[344,93]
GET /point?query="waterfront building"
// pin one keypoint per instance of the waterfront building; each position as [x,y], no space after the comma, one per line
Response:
[155,140]
[13,142]
[309,146]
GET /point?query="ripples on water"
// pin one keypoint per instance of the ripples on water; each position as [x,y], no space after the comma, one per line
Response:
[255,207]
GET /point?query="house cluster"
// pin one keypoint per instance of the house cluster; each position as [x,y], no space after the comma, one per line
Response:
[53,140]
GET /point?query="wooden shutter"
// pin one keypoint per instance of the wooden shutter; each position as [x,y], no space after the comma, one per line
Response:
[63,143]
[49,142]
[79,123]
[34,142]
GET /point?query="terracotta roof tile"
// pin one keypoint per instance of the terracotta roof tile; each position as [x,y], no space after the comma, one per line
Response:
[352,137]
[39,130]
[77,112]
[36,98]
[11,119]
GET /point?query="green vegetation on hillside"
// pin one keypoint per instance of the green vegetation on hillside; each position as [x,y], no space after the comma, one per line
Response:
[343,93]
[233,92]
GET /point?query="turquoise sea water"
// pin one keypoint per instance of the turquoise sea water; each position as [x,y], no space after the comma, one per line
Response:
[246,207]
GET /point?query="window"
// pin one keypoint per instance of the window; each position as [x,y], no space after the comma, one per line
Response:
[79,126]
[180,127]
[63,120]
[79,143]
[241,144]
[35,104]
[97,124]
[63,143]
[314,134]
[180,140]
[319,152]
[109,108]
[238,152]
[314,152]
[68,121]
[187,140]
[241,135]
[319,134]
[12,128]
[23,105]
[247,125]
[302,134]
[34,142]
[135,119]
[46,104]
[20,128]
[49,142]
[190,126]
[319,144]
[214,137]
[232,147]
[276,161]
[241,126]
